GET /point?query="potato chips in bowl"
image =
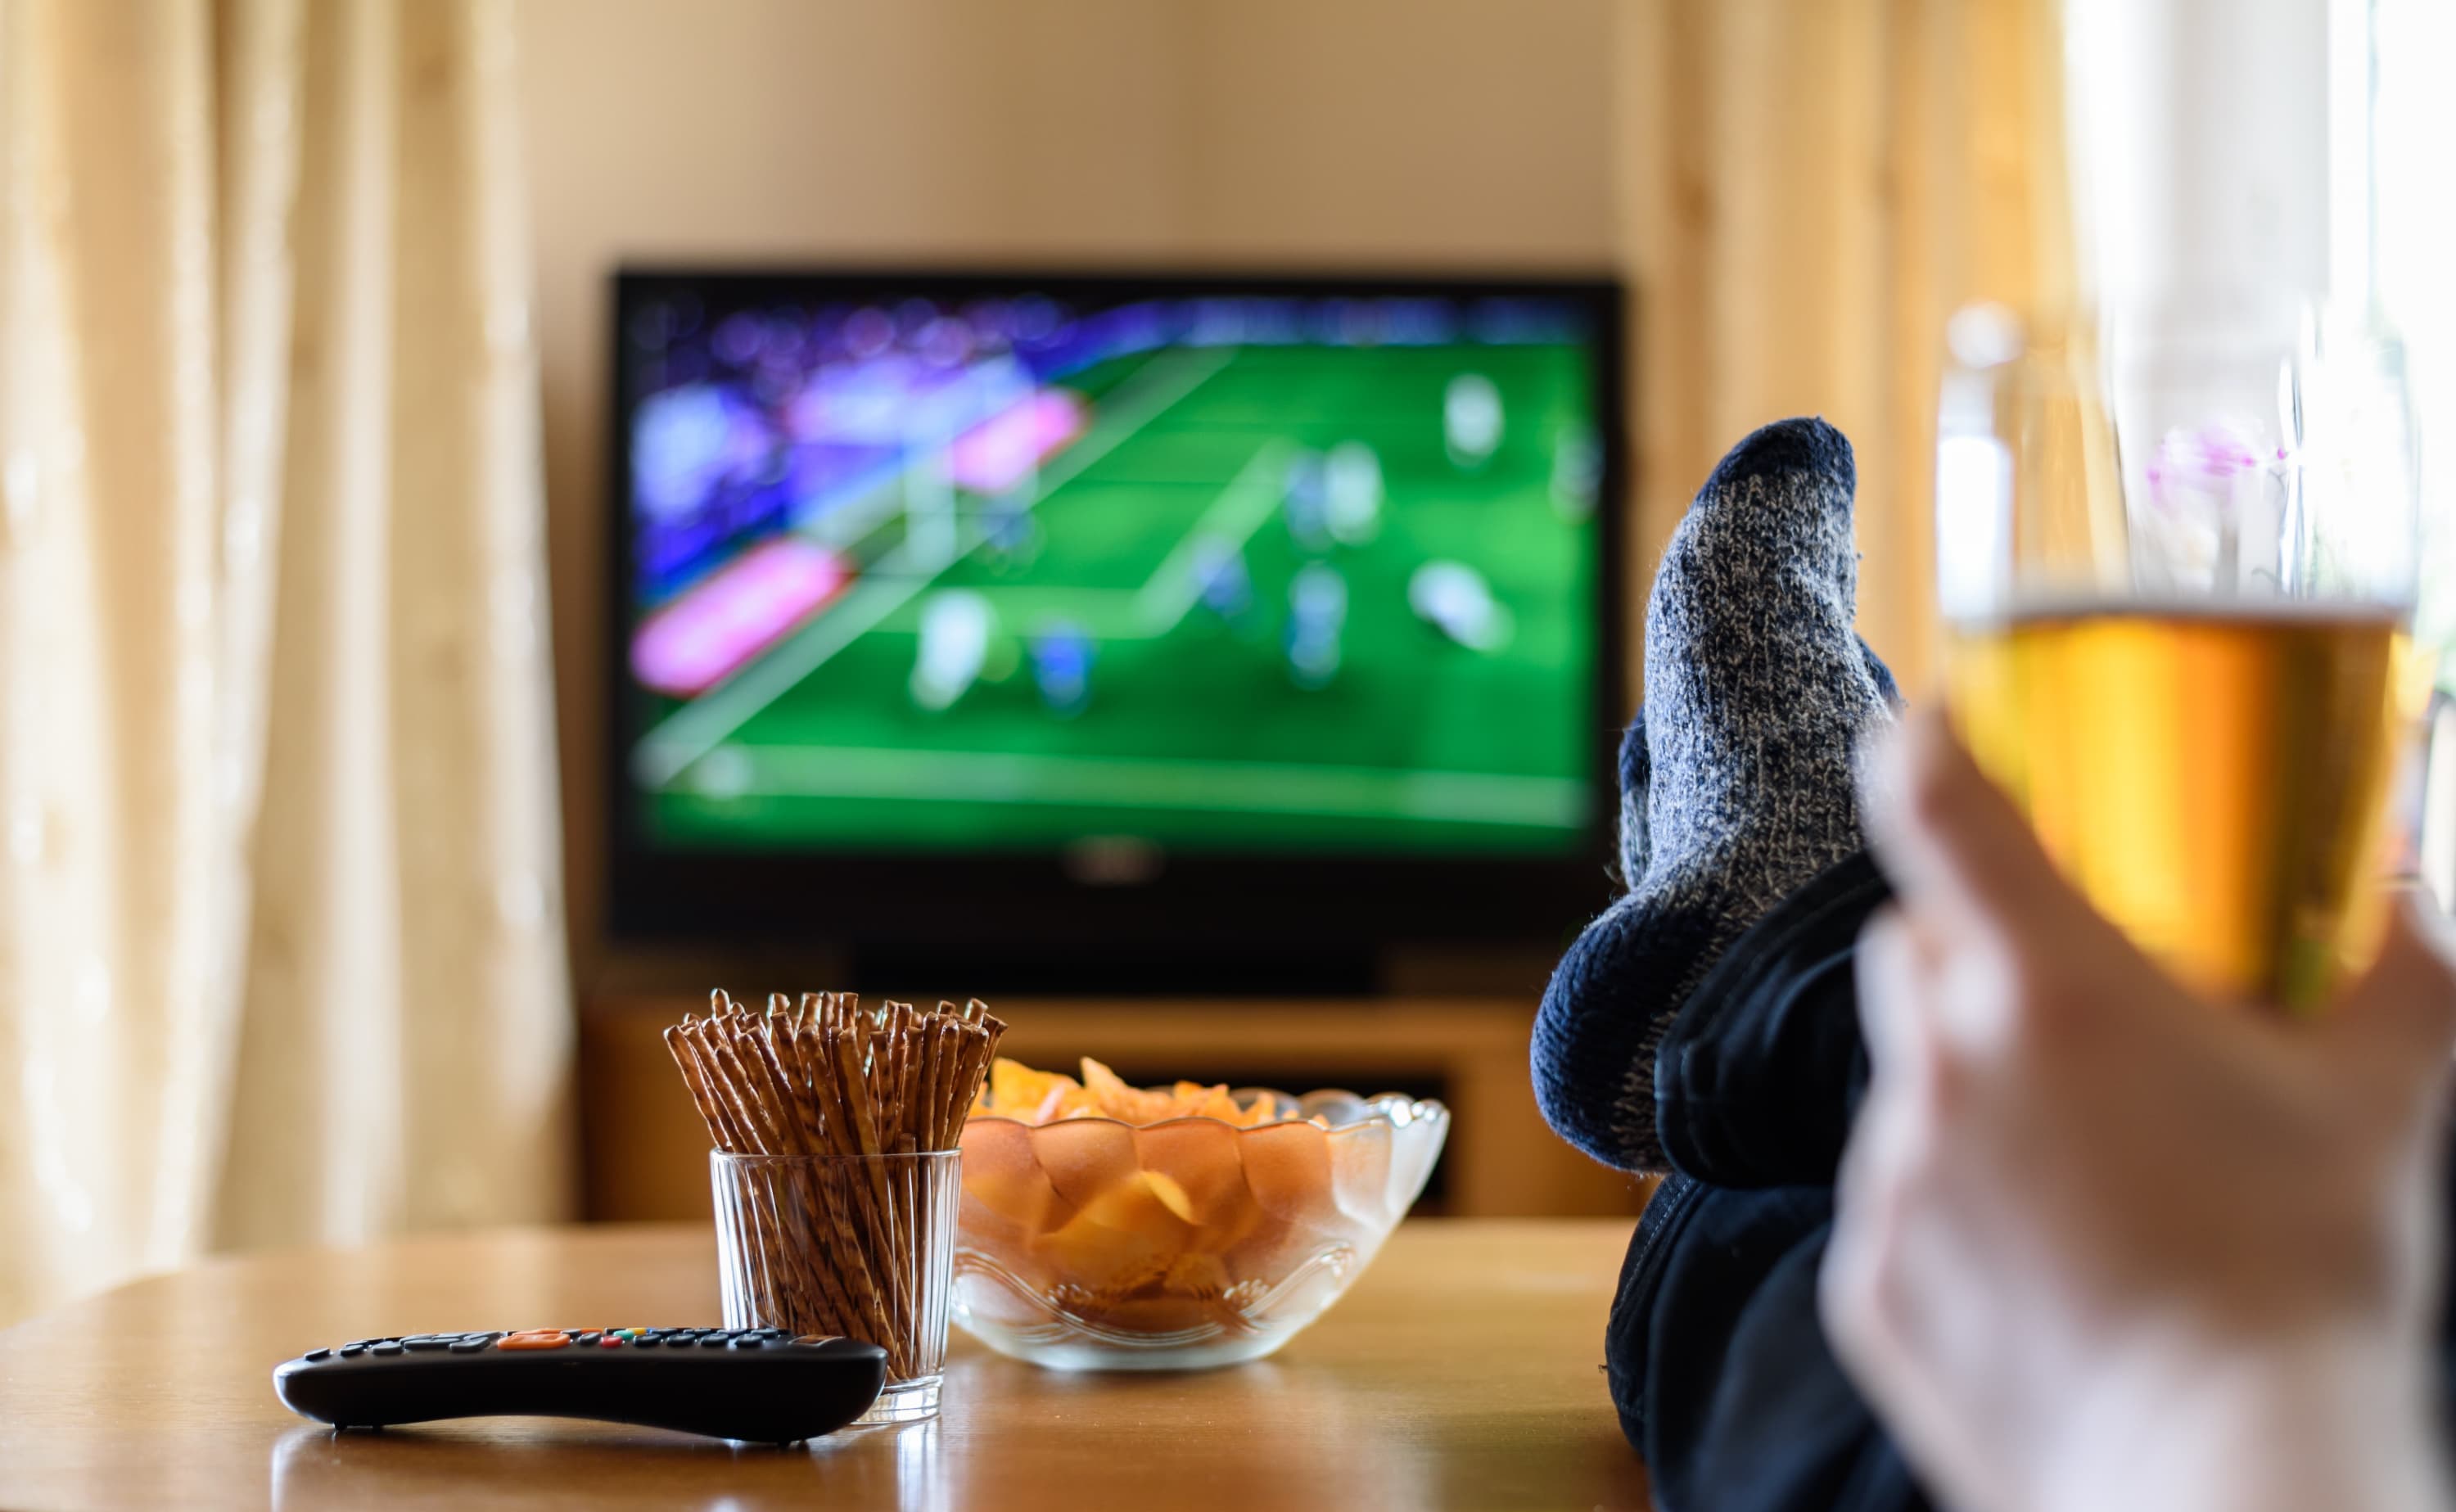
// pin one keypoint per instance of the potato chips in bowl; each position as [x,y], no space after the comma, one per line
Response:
[1109,1227]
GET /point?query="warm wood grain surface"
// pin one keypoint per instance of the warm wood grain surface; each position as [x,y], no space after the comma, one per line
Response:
[1463,1371]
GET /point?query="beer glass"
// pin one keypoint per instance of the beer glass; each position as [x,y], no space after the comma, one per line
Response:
[2176,563]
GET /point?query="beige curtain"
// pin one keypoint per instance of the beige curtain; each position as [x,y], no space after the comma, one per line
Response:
[1811,186]
[281,945]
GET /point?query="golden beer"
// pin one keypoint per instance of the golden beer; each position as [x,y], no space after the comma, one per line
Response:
[2214,777]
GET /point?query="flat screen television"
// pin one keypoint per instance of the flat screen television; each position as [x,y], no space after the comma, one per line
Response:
[1190,625]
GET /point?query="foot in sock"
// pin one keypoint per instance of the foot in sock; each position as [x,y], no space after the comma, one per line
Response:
[1736,778]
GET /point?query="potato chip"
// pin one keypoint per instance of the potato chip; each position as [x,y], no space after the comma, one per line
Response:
[1206,1181]
[1016,1090]
[1065,1100]
[1212,1102]
[1015,1087]
[1288,1167]
[1002,1172]
[1131,1105]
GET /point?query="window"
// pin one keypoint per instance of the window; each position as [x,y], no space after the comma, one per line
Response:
[2409,221]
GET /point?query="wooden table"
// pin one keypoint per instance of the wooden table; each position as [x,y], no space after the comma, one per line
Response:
[1463,1371]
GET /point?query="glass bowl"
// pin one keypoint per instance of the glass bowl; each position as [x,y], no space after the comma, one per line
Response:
[1090,1244]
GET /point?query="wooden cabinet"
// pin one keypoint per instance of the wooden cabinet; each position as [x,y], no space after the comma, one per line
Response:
[645,1152]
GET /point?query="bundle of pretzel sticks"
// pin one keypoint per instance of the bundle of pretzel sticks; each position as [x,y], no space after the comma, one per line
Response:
[837,1246]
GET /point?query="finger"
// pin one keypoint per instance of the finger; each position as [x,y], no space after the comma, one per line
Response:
[1957,852]
[2399,1019]
[1866,1284]
[1863,1251]
[1850,1275]
[1891,971]
[1915,1080]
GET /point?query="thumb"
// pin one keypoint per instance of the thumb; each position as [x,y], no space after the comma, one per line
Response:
[2399,1019]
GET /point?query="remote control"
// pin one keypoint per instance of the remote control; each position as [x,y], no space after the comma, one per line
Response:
[761,1385]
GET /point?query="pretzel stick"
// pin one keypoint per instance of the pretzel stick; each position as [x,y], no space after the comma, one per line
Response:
[863,1126]
[733,1081]
[682,1043]
[938,1062]
[825,1236]
[712,1112]
[845,1274]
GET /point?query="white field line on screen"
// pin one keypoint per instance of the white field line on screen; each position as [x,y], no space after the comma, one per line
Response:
[1251,498]
[1116,782]
[1238,510]
[696,729]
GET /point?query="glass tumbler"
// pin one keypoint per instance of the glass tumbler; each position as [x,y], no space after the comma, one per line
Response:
[857,1246]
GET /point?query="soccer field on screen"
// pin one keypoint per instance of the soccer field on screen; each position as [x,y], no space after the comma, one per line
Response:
[1157,633]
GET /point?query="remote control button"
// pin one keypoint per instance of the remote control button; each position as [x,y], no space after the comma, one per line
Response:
[535,1338]
[428,1341]
[362,1343]
[315,1354]
[585,1340]
[352,1351]
[610,1341]
[471,1346]
[750,1341]
[389,1346]
[713,1339]
[486,1336]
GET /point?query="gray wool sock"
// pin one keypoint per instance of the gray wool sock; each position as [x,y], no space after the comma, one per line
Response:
[1738,778]
[1758,690]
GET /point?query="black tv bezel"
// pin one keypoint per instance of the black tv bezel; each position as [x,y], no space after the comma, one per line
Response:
[1296,905]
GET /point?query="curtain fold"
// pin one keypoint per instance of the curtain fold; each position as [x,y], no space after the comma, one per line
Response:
[281,955]
[1809,189]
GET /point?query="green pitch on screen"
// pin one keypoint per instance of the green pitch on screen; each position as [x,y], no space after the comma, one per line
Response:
[1195,731]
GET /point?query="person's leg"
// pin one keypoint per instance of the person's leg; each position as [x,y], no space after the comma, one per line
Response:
[1737,775]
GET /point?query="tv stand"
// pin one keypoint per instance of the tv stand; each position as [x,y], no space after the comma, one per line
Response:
[646,1150]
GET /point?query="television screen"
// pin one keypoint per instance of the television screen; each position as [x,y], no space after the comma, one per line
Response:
[936,564]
